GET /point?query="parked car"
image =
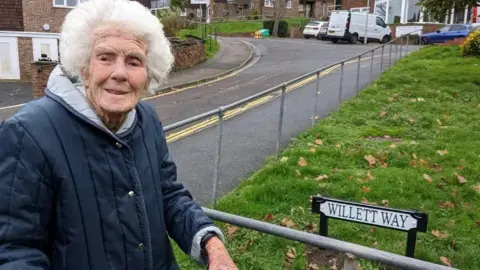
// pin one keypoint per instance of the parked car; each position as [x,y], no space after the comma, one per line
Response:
[350,26]
[317,29]
[446,33]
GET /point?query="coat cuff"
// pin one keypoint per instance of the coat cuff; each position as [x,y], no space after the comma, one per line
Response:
[196,252]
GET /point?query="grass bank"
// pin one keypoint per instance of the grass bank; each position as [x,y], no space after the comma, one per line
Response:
[409,141]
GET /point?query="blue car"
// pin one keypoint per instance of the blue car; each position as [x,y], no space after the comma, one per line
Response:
[446,33]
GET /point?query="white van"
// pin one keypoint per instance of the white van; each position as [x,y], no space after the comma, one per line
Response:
[350,26]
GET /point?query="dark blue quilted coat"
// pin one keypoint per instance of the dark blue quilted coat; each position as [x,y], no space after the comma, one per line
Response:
[76,196]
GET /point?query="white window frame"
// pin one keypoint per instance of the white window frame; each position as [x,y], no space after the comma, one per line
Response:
[36,43]
[268,3]
[288,4]
[300,7]
[199,13]
[65,4]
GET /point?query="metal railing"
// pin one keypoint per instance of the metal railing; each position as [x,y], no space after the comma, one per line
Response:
[397,48]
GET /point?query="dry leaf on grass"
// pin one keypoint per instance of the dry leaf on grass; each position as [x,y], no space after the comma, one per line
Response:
[248,245]
[383,113]
[411,120]
[268,217]
[302,162]
[288,223]
[461,179]
[454,192]
[451,223]
[291,254]
[370,159]
[414,156]
[477,188]
[391,99]
[319,142]
[427,177]
[232,230]
[467,205]
[313,149]
[395,117]
[370,176]
[439,234]
[447,204]
[385,203]
[393,146]
[313,266]
[446,261]
[366,189]
[442,152]
[373,229]
[322,177]
[337,145]
[311,228]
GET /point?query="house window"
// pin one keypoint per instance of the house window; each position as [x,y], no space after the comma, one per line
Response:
[289,4]
[199,12]
[300,7]
[268,3]
[46,46]
[67,3]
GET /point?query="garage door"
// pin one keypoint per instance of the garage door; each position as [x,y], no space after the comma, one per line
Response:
[9,64]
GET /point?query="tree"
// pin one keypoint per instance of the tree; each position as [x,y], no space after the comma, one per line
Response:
[439,8]
[381,10]
[179,3]
[278,12]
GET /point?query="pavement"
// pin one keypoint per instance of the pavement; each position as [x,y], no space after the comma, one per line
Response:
[233,55]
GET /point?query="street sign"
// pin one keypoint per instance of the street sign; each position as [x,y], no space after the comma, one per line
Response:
[397,219]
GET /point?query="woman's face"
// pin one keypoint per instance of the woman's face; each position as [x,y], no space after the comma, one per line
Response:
[117,72]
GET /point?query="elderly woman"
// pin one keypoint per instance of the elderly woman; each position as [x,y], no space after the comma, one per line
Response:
[86,179]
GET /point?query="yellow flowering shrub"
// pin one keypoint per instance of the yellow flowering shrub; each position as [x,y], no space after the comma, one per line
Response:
[471,46]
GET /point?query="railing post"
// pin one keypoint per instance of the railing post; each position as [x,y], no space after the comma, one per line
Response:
[381,60]
[317,92]
[408,41]
[217,156]
[280,121]
[396,54]
[401,47]
[390,56]
[371,67]
[341,85]
[350,262]
[358,73]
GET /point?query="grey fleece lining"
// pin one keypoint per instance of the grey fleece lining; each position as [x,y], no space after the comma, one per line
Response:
[72,92]
[196,250]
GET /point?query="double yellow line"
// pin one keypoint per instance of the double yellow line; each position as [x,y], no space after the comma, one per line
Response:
[174,136]
[239,110]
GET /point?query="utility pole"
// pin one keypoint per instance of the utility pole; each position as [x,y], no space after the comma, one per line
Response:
[366,23]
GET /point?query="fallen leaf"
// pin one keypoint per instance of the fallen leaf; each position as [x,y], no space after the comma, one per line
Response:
[268,217]
[313,266]
[370,159]
[393,146]
[454,192]
[375,244]
[298,173]
[373,229]
[302,162]
[461,179]
[461,168]
[423,161]
[442,152]
[447,204]
[386,136]
[311,228]
[366,189]
[383,113]
[477,188]
[427,177]
[411,120]
[291,254]
[437,167]
[284,159]
[414,100]
[451,223]
[232,230]
[395,117]
[439,122]
[385,203]
[248,245]
[441,185]
[413,163]
[319,142]
[414,156]
[467,205]
[288,223]
[391,99]
[321,177]
[370,176]
[446,261]
[337,145]
[313,149]
[364,200]
[439,234]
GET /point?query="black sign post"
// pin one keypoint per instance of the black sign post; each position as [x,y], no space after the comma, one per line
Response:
[402,220]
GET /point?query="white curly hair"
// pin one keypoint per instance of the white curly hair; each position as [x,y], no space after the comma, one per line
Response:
[77,39]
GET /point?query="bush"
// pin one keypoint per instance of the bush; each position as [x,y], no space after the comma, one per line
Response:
[471,46]
[171,20]
[282,27]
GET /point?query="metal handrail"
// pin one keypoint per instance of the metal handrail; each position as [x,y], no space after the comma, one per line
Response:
[324,242]
[273,89]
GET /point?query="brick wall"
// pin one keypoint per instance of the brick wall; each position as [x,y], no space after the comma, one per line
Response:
[25,56]
[40,73]
[348,4]
[39,12]
[11,18]
[187,53]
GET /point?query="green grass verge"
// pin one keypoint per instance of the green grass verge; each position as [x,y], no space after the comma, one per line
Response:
[430,101]
[211,47]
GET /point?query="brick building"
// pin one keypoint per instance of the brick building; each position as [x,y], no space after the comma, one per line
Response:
[29,28]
